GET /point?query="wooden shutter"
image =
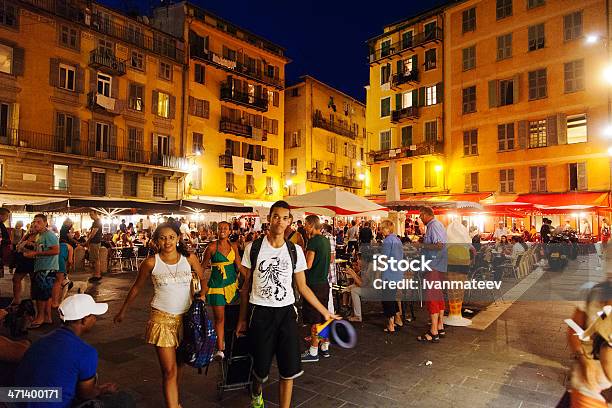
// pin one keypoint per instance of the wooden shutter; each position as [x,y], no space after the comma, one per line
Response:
[439,132]
[542,178]
[206,109]
[276,97]
[276,73]
[172,107]
[398,101]
[274,126]
[93,80]
[502,181]
[171,146]
[493,93]
[582,175]
[415,62]
[467,182]
[115,87]
[421,97]
[112,148]
[191,105]
[415,97]
[154,102]
[551,131]
[562,128]
[400,66]
[154,144]
[439,92]
[18,61]
[80,79]
[523,126]
[54,72]
[533,179]
[516,85]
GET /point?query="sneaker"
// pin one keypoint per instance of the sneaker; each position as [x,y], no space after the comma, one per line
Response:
[325,353]
[257,401]
[309,358]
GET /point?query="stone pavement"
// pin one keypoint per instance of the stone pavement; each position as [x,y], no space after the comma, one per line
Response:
[520,360]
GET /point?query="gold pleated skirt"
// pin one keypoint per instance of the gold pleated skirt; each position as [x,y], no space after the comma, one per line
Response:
[163,329]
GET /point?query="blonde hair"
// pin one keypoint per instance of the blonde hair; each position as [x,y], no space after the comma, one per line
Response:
[388,225]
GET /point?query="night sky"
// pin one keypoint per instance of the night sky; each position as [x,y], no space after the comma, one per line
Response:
[323,38]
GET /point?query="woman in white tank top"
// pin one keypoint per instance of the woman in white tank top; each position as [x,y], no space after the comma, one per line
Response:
[171,273]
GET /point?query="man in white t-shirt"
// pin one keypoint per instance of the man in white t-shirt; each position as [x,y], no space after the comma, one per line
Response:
[500,231]
[267,288]
[352,237]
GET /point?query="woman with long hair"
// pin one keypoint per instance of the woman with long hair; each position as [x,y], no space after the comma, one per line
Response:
[171,272]
[65,262]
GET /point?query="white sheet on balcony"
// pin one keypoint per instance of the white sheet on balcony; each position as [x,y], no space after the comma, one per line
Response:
[257,169]
[238,165]
[105,102]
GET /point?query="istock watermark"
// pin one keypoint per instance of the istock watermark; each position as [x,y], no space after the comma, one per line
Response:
[382,263]
[380,284]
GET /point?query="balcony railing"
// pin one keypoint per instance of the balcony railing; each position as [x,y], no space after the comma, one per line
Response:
[240,129]
[235,67]
[319,177]
[421,149]
[100,103]
[107,62]
[79,15]
[405,77]
[404,113]
[225,161]
[50,143]
[320,122]
[243,98]
[418,40]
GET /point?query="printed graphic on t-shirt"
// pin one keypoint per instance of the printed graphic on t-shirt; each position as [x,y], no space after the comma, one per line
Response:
[272,272]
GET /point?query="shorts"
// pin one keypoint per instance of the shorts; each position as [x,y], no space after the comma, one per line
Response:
[310,315]
[273,332]
[163,329]
[42,284]
[94,252]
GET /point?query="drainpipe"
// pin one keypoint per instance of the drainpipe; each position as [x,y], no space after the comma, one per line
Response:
[183,185]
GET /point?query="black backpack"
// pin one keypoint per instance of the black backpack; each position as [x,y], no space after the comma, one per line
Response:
[256,247]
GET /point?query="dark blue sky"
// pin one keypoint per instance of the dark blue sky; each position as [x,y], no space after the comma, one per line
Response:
[323,38]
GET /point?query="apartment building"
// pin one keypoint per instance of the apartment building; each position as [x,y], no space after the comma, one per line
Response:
[528,106]
[234,106]
[324,139]
[89,103]
[404,106]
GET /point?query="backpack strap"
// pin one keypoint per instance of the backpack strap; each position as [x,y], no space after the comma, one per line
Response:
[255,248]
[292,253]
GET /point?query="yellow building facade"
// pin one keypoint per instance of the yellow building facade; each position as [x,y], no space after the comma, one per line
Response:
[527,107]
[234,107]
[90,103]
[325,132]
[404,112]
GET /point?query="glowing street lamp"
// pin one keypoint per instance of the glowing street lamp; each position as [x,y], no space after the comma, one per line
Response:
[438,168]
[607,75]
[361,176]
[592,39]
[288,183]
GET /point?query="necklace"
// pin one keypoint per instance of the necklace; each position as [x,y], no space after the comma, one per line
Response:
[175,274]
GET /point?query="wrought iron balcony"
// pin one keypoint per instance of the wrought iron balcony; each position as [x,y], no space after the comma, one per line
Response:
[240,129]
[418,40]
[99,103]
[405,78]
[319,177]
[225,161]
[320,122]
[416,150]
[107,62]
[404,113]
[73,145]
[243,98]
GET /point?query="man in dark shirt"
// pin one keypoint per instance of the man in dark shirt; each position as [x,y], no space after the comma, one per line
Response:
[302,230]
[94,238]
[545,230]
[365,234]
[5,239]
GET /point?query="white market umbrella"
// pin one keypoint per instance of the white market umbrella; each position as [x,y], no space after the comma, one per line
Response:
[335,201]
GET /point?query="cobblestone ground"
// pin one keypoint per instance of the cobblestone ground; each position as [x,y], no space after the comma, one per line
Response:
[519,360]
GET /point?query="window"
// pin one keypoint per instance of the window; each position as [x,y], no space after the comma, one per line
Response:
[67,77]
[98,184]
[158,186]
[431,131]
[471,182]
[430,59]
[469,58]
[199,74]
[136,97]
[64,130]
[503,9]
[5,117]
[577,176]
[102,137]
[199,107]
[505,137]
[430,96]
[273,98]
[536,37]
[384,176]
[385,48]
[537,133]
[469,20]
[577,128]
[572,26]
[137,60]
[60,177]
[295,92]
[504,46]
[385,73]
[535,3]
[130,183]
[537,84]
[385,107]
[106,48]
[196,178]
[161,144]
[537,179]
[269,186]
[506,92]
[69,37]
[406,136]
[229,182]
[6,59]
[431,176]
[9,15]
[430,30]
[163,105]
[104,84]
[385,140]
[331,144]
[574,76]
[197,145]
[134,144]
[407,99]
[469,99]
[506,181]
[250,184]
[406,176]
[470,142]
[293,166]
[165,71]
[407,39]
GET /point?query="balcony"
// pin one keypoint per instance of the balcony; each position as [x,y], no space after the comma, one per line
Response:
[419,40]
[107,62]
[404,113]
[100,103]
[235,67]
[421,149]
[26,139]
[318,177]
[404,78]
[318,121]
[230,94]
[225,161]
[240,129]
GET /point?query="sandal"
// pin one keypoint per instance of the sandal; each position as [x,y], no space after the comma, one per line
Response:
[434,338]
[441,333]
[386,330]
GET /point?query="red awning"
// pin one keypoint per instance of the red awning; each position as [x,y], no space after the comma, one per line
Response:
[567,201]
[475,197]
